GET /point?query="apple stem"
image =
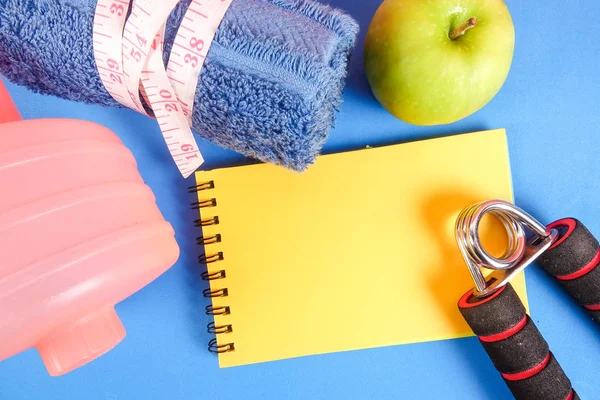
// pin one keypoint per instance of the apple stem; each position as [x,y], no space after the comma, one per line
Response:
[462,29]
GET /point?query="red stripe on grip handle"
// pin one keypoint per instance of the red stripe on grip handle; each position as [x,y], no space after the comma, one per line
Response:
[583,271]
[506,334]
[515,346]
[529,373]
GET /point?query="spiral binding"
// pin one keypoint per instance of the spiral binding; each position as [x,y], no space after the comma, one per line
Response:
[199,223]
[201,186]
[204,203]
[203,241]
[210,258]
[214,329]
[223,310]
[215,293]
[206,276]
[213,347]
[206,258]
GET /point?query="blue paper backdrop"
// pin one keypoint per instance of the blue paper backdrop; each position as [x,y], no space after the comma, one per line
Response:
[550,108]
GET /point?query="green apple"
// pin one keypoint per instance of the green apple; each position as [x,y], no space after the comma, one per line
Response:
[433,62]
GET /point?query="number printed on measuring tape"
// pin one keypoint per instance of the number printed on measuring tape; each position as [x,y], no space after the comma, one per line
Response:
[109,20]
[163,100]
[196,32]
[146,19]
[129,58]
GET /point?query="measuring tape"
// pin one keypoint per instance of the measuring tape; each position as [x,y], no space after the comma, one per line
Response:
[128,48]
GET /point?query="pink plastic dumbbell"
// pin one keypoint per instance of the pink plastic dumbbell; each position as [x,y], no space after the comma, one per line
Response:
[79,232]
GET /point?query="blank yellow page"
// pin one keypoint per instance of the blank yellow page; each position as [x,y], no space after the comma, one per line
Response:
[356,252]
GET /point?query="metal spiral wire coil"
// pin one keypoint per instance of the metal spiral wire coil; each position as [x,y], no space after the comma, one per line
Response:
[211,276]
[204,203]
[221,310]
[213,345]
[199,223]
[519,253]
[203,241]
[210,258]
[209,294]
[214,329]
[201,186]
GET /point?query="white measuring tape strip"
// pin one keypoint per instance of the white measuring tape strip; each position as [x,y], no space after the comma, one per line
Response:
[129,58]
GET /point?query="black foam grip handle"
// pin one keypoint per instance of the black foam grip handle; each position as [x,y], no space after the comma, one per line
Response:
[574,248]
[515,346]
[573,259]
[494,314]
[528,343]
[595,315]
[550,383]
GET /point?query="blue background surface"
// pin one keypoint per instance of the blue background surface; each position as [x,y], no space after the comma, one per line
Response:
[550,108]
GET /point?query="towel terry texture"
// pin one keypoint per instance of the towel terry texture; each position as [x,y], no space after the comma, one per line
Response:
[269,89]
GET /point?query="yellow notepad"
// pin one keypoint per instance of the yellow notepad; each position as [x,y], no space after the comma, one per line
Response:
[356,252]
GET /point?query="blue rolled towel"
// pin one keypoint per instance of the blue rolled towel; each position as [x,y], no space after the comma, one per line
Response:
[271,83]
